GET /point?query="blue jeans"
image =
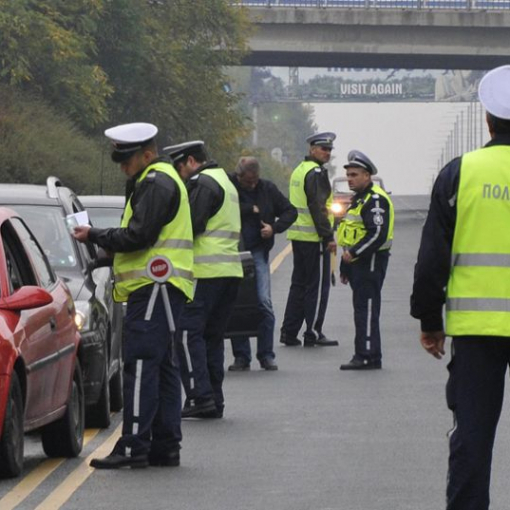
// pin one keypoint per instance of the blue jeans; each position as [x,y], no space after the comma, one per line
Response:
[265,337]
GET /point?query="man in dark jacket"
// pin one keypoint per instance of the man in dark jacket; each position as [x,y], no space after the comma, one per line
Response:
[261,203]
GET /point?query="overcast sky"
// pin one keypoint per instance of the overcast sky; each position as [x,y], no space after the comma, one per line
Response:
[404,140]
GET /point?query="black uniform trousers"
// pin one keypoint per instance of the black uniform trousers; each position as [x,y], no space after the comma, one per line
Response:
[366,277]
[200,339]
[309,290]
[152,385]
[474,394]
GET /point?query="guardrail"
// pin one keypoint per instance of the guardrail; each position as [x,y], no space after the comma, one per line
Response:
[382,4]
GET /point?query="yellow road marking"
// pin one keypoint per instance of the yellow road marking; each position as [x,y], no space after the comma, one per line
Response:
[65,490]
[280,258]
[30,482]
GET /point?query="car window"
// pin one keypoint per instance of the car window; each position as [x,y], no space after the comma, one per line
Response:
[341,186]
[19,268]
[38,258]
[102,217]
[48,224]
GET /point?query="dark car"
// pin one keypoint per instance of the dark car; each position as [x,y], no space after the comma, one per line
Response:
[98,317]
[106,211]
[41,384]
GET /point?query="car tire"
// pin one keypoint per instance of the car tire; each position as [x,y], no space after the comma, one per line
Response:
[116,390]
[12,440]
[98,415]
[64,438]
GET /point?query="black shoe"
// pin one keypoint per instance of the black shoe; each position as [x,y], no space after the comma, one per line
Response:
[359,364]
[171,459]
[239,365]
[199,409]
[290,341]
[117,461]
[268,364]
[322,341]
[309,342]
[212,415]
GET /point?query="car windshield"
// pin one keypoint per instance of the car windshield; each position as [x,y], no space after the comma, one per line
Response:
[102,217]
[341,186]
[47,223]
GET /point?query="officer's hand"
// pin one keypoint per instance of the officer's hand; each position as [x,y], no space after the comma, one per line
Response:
[266,231]
[433,342]
[344,279]
[256,210]
[331,247]
[347,256]
[81,233]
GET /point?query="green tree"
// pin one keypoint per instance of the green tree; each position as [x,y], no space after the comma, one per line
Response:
[48,47]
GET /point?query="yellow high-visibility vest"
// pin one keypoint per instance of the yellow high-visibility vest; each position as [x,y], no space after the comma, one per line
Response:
[303,229]
[217,249]
[175,242]
[478,291]
[352,229]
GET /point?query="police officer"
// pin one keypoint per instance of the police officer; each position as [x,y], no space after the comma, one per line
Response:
[216,220]
[156,225]
[465,249]
[312,243]
[365,235]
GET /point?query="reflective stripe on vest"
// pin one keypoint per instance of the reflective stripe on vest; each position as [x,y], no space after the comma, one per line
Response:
[352,229]
[303,229]
[478,291]
[175,242]
[217,248]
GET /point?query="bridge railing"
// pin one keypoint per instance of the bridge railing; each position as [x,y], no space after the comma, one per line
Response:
[389,4]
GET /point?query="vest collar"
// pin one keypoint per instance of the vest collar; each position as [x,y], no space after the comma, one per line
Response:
[499,139]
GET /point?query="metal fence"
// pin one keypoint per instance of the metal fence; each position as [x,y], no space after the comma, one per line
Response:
[381,4]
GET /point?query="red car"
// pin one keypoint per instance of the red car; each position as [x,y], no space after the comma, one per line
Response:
[41,384]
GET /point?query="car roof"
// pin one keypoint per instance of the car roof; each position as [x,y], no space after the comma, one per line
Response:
[103,201]
[6,213]
[51,193]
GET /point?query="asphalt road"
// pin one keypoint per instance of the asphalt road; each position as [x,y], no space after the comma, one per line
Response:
[307,437]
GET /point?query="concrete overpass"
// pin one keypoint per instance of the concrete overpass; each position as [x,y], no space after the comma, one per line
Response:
[387,38]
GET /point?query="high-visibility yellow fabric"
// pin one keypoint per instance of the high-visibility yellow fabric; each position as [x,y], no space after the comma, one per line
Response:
[175,242]
[478,291]
[352,229]
[303,229]
[217,249]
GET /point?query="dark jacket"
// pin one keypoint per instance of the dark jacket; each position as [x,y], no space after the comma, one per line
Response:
[155,202]
[318,190]
[272,204]
[432,269]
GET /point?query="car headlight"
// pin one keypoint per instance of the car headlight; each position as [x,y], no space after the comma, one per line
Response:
[336,208]
[82,315]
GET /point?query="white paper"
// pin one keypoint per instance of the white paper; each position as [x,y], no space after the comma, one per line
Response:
[76,219]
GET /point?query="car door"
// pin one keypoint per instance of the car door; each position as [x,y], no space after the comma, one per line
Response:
[38,331]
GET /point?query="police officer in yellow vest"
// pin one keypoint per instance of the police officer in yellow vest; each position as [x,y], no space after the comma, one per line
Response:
[312,243]
[365,235]
[156,223]
[216,220]
[465,249]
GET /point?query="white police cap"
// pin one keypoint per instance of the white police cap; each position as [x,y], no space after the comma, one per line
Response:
[494,92]
[358,159]
[183,150]
[323,139]
[129,138]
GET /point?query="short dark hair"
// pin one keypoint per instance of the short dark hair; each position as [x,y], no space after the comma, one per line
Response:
[500,126]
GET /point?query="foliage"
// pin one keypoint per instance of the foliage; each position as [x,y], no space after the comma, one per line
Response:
[48,47]
[31,151]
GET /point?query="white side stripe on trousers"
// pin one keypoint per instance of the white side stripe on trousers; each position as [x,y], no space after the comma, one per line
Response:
[369,320]
[136,394]
[188,358]
[319,294]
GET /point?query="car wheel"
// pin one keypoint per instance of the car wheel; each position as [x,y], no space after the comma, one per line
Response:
[98,415]
[64,438]
[116,391]
[11,442]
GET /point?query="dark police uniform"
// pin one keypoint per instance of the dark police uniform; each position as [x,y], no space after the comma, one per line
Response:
[156,222]
[310,193]
[216,220]
[366,232]
[465,249]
